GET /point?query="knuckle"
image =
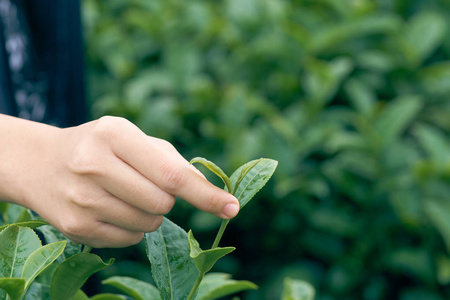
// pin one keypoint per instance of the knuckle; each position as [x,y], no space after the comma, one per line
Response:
[166,145]
[107,127]
[74,229]
[165,205]
[172,178]
[79,198]
[83,160]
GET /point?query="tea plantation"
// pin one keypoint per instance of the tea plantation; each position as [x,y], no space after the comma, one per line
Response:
[351,97]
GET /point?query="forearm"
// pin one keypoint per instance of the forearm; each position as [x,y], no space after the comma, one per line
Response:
[24,148]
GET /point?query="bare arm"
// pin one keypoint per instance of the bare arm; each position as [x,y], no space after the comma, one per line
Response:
[103,183]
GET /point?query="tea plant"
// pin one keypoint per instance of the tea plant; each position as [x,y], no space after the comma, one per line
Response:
[179,266]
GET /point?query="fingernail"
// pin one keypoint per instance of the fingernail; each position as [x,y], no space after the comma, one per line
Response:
[231,210]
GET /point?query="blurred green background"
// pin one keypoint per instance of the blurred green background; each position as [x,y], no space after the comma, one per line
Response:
[350,96]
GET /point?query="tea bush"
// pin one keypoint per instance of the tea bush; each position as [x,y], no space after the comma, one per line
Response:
[350,96]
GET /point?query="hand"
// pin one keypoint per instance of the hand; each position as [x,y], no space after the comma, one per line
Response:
[105,183]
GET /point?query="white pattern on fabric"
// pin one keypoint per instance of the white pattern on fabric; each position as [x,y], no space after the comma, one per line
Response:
[29,86]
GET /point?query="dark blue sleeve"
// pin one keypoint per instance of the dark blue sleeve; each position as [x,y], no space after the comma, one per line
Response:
[6,100]
[56,34]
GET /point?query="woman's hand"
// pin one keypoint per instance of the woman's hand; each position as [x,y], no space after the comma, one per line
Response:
[104,183]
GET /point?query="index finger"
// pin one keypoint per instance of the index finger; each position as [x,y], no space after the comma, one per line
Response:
[161,163]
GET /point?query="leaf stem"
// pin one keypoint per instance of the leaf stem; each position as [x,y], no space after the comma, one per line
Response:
[196,285]
[87,249]
[220,233]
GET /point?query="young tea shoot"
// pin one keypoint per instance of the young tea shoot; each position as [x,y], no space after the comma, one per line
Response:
[179,265]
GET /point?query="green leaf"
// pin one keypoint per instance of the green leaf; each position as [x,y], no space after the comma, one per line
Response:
[13,286]
[396,117]
[46,275]
[109,297]
[297,290]
[135,288]
[361,95]
[323,78]
[52,235]
[30,224]
[16,213]
[40,259]
[173,270]
[332,36]
[80,295]
[435,143]
[205,259]
[70,275]
[244,172]
[3,209]
[215,169]
[216,285]
[37,291]
[424,33]
[254,180]
[438,213]
[16,245]
[435,78]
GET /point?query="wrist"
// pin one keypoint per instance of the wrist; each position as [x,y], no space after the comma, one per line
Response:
[27,148]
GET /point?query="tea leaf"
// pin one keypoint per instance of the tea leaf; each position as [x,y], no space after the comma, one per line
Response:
[30,224]
[434,142]
[80,295]
[135,288]
[396,117]
[244,172]
[16,213]
[425,32]
[52,235]
[216,285]
[254,180]
[173,269]
[438,213]
[3,209]
[16,244]
[13,286]
[70,275]
[37,291]
[215,169]
[297,290]
[205,259]
[40,259]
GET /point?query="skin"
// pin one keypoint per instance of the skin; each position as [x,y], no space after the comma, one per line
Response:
[104,183]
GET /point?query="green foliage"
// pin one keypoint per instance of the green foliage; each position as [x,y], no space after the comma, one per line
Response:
[173,269]
[250,179]
[205,259]
[23,258]
[173,253]
[216,285]
[137,289]
[30,271]
[14,287]
[40,259]
[351,97]
[16,245]
[72,273]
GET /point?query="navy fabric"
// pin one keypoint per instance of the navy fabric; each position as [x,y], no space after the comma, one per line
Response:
[55,32]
